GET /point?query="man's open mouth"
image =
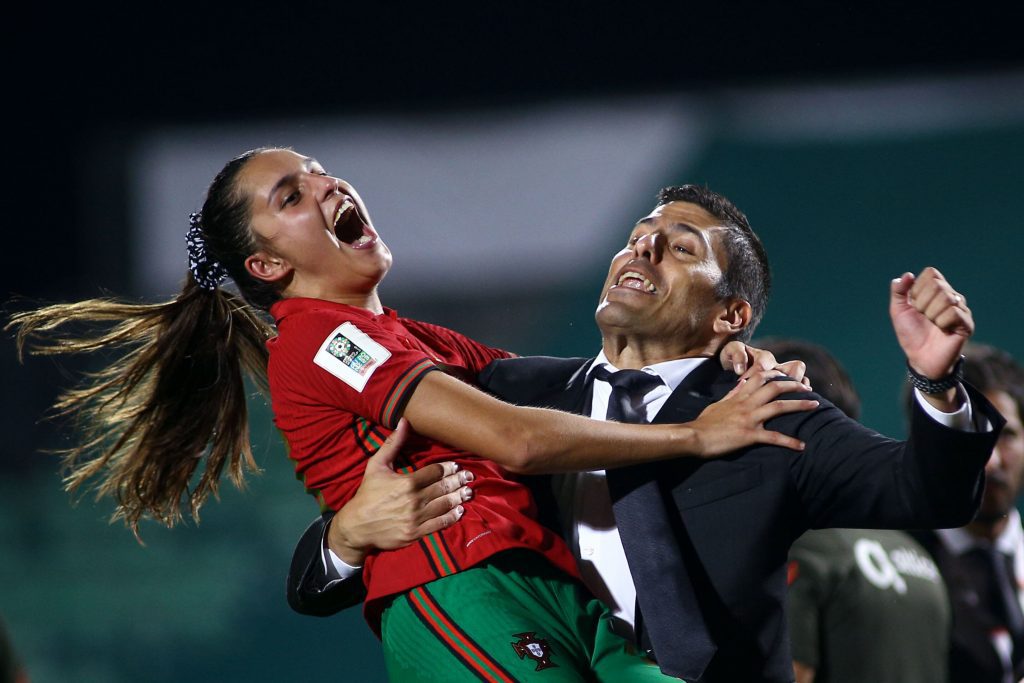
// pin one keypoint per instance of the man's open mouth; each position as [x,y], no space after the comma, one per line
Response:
[349,226]
[635,280]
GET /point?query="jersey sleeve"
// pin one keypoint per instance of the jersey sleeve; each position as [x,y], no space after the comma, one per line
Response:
[811,575]
[361,367]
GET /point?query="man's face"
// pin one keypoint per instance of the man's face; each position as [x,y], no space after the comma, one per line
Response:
[1005,468]
[662,283]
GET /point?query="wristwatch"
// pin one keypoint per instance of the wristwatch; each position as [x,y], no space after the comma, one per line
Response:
[937,386]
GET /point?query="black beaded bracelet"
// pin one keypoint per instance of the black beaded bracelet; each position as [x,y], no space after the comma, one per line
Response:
[937,386]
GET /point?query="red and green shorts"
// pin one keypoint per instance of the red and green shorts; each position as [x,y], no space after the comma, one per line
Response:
[513,618]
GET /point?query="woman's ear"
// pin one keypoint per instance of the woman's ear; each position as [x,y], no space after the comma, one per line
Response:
[266,267]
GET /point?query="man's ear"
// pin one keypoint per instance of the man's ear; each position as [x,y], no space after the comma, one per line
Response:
[266,267]
[733,318]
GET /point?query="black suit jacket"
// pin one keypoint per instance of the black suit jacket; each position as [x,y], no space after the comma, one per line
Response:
[728,523]
[972,657]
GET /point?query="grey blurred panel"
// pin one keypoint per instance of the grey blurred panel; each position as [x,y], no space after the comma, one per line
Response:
[872,109]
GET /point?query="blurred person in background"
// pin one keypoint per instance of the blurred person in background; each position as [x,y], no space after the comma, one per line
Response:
[983,562]
[864,604]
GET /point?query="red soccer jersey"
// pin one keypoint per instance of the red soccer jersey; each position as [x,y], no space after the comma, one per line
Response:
[339,380]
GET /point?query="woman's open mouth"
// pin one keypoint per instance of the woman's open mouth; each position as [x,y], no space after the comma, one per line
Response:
[349,226]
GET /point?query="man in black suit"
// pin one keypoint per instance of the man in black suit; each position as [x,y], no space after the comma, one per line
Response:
[706,542]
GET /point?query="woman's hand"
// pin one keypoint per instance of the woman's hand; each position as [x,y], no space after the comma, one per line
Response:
[745,360]
[737,420]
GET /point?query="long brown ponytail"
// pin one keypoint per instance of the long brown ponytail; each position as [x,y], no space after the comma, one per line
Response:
[177,393]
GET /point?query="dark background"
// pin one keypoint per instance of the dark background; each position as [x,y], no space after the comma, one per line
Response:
[89,71]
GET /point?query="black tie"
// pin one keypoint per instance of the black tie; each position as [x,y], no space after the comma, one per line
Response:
[642,529]
[628,390]
[1007,605]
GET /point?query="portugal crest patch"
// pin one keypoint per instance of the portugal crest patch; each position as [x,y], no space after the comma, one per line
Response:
[537,649]
[349,354]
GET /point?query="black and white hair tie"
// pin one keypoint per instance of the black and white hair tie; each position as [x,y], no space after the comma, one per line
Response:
[207,272]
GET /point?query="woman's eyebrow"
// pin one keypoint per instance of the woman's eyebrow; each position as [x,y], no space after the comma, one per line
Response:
[284,180]
[289,178]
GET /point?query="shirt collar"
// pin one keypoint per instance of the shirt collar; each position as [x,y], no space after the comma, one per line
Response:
[299,304]
[671,372]
[960,540]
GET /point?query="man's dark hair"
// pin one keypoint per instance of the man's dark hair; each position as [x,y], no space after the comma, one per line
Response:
[828,376]
[989,369]
[747,275]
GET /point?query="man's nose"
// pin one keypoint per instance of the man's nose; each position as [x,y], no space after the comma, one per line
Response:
[649,247]
[994,460]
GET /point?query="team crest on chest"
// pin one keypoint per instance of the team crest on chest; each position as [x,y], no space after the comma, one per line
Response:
[349,354]
[537,649]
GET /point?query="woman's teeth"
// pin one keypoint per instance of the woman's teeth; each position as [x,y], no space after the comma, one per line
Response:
[342,208]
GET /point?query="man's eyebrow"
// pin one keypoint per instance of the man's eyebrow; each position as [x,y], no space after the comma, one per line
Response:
[678,227]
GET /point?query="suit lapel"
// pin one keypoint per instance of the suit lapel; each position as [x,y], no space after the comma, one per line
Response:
[703,386]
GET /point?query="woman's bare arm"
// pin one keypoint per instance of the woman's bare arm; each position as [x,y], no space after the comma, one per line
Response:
[537,440]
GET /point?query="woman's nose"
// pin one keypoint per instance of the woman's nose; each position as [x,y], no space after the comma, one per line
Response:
[329,186]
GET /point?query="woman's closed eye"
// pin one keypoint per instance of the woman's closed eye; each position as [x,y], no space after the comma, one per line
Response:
[292,198]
